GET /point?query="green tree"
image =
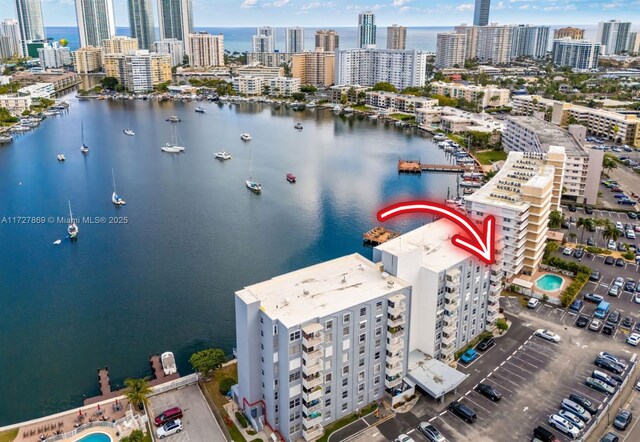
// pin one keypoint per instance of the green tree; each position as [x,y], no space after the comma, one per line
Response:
[308,89]
[137,390]
[555,219]
[384,86]
[550,248]
[608,164]
[298,96]
[502,325]
[445,101]
[226,384]
[109,82]
[572,236]
[206,361]
[135,436]
[163,87]
[583,223]
[478,100]
[479,140]
[610,232]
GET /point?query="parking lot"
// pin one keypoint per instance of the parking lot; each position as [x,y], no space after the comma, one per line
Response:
[198,421]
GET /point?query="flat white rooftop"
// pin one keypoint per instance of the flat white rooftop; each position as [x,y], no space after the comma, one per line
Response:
[434,239]
[320,290]
[433,376]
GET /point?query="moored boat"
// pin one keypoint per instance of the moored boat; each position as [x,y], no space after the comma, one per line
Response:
[168,363]
[253,186]
[200,110]
[72,228]
[173,119]
[115,198]
[291,178]
[245,137]
[222,155]
[60,157]
[298,126]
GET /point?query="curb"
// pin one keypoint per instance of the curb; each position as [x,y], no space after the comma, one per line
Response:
[378,422]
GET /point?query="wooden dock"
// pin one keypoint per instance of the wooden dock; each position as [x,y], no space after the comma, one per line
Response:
[104,381]
[379,235]
[415,166]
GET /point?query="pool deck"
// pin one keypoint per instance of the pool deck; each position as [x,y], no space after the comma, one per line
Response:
[109,431]
[566,281]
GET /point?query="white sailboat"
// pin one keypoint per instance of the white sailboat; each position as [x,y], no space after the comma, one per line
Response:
[173,147]
[128,130]
[84,148]
[72,228]
[115,198]
[252,185]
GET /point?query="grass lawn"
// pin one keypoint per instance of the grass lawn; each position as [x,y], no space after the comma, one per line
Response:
[9,435]
[489,157]
[402,117]
[361,108]
[331,428]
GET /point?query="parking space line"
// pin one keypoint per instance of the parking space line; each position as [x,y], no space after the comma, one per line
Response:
[506,379]
[500,385]
[521,368]
[527,362]
[515,374]
[478,405]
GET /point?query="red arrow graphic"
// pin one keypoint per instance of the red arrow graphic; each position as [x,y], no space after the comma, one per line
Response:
[479,244]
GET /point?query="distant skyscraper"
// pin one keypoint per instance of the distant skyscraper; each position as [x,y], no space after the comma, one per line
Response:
[481,13]
[294,40]
[141,22]
[450,50]
[577,54]
[574,33]
[634,43]
[327,41]
[96,21]
[613,35]
[11,30]
[30,21]
[264,40]
[175,19]
[529,41]
[396,37]
[367,30]
[206,50]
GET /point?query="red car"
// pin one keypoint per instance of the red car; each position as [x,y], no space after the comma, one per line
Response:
[168,416]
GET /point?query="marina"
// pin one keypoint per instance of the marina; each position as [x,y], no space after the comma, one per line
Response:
[379,235]
[415,166]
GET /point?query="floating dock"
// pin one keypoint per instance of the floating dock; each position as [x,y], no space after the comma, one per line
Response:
[379,235]
[415,166]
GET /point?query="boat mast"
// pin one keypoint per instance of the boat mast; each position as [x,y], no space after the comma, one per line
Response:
[70,214]
[82,131]
[114,180]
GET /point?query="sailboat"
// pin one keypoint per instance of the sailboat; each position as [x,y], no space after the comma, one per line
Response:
[128,131]
[115,199]
[84,148]
[173,147]
[252,185]
[72,228]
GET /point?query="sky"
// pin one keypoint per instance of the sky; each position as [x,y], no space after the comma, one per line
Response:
[338,13]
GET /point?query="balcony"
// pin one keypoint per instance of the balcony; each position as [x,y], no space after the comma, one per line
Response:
[394,345]
[395,321]
[395,332]
[451,295]
[448,338]
[311,395]
[395,358]
[312,339]
[452,284]
[311,407]
[449,326]
[397,308]
[492,308]
[394,369]
[447,349]
[496,277]
[312,419]
[310,355]
[392,381]
[312,433]
[313,367]
[310,382]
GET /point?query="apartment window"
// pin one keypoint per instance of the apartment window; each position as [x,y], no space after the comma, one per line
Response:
[328,377]
[361,351]
[261,320]
[345,382]
[362,338]
[293,404]
[261,333]
[294,336]
[275,396]
[345,331]
[360,399]
[261,346]
[361,377]
[377,342]
[328,337]
[378,331]
[327,390]
[345,394]
[363,325]
[376,380]
[345,370]
[363,311]
[328,325]
[275,330]
[262,359]
[376,368]
[376,392]
[379,305]
[294,376]
[346,318]
[344,407]
[361,363]
[345,357]
[294,349]
[327,402]
[377,355]
[378,319]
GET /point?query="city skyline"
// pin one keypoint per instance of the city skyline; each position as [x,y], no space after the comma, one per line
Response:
[252,13]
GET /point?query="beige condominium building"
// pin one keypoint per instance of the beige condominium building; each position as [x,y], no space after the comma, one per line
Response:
[569,32]
[316,68]
[488,96]
[582,167]
[205,50]
[520,197]
[139,71]
[119,45]
[87,59]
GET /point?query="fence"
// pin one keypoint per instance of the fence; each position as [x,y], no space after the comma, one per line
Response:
[82,428]
[180,382]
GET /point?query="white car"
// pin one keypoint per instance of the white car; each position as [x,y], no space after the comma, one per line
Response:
[636,298]
[633,339]
[619,226]
[169,428]
[533,303]
[563,425]
[619,281]
[403,438]
[567,251]
[611,245]
[630,234]
[595,325]
[575,420]
[548,335]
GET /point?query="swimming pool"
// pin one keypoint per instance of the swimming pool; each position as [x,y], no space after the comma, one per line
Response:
[96,437]
[549,283]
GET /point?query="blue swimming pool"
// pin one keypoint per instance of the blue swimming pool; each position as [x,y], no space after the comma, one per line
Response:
[549,283]
[96,437]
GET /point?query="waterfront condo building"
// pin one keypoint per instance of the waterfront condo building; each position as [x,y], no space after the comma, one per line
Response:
[481,12]
[265,39]
[119,45]
[264,72]
[171,46]
[486,96]
[520,197]
[398,102]
[316,68]
[175,19]
[450,50]
[396,37]
[87,60]
[96,21]
[613,36]
[29,21]
[327,40]
[582,167]
[454,296]
[54,56]
[205,50]
[367,67]
[576,54]
[294,40]
[367,30]
[568,32]
[139,71]
[283,86]
[249,85]
[268,59]
[319,343]
[141,22]
[528,41]
[15,104]
[487,44]
[10,30]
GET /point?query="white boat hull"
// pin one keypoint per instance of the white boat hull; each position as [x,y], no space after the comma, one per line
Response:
[168,363]
[172,149]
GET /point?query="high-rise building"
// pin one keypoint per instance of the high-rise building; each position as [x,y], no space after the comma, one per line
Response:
[450,50]
[367,30]
[30,21]
[613,35]
[529,41]
[396,37]
[87,60]
[294,40]
[366,67]
[327,40]
[205,50]
[264,40]
[488,44]
[141,22]
[481,12]
[576,54]
[316,68]
[568,32]
[634,43]
[10,29]
[54,56]
[139,71]
[96,21]
[119,45]
[268,59]
[171,46]
[175,19]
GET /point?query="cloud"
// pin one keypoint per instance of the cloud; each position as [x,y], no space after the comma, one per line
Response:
[401,2]
[465,7]
[500,5]
[249,4]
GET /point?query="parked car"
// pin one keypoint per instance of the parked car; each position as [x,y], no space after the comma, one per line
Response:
[614,290]
[623,419]
[489,392]
[169,428]
[630,286]
[567,251]
[595,325]
[610,260]
[597,374]
[592,297]
[578,254]
[463,412]
[469,356]
[588,210]
[168,415]
[633,339]
[403,438]
[533,303]
[582,321]
[600,386]
[584,403]
[548,335]
[614,317]
[575,408]
[619,281]
[613,358]
[565,224]
[627,322]
[564,426]
[636,298]
[485,344]
[577,305]
[572,208]
[430,432]
[610,437]
[607,329]
[575,420]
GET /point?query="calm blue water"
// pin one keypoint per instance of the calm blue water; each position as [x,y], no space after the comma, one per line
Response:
[96,437]
[195,234]
[550,283]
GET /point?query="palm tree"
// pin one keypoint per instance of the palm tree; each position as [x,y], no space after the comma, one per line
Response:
[137,390]
[572,236]
[479,97]
[608,164]
[582,223]
[555,218]
[611,232]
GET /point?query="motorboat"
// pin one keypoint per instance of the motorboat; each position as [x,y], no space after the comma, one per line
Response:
[173,119]
[72,228]
[298,126]
[83,148]
[115,198]
[5,138]
[200,110]
[439,137]
[253,186]
[291,178]
[56,242]
[60,157]
[222,155]
[245,137]
[168,362]
[128,132]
